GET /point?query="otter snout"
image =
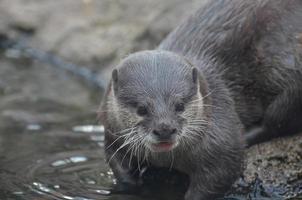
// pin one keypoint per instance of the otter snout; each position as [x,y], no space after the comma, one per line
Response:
[164,138]
[164,132]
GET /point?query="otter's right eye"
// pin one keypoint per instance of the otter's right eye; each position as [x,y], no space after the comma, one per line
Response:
[180,107]
[142,111]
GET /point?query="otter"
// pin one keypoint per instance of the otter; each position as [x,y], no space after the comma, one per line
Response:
[162,111]
[231,70]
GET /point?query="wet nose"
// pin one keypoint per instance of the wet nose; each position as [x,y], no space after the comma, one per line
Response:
[164,132]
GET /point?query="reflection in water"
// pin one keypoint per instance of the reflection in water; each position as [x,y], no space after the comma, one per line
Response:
[33,127]
[41,189]
[74,159]
[89,129]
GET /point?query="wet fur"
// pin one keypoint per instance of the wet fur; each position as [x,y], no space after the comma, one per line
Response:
[249,57]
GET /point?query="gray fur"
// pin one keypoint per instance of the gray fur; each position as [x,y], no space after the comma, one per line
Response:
[208,127]
[257,43]
[248,56]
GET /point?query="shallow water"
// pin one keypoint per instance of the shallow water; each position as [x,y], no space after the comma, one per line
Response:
[57,164]
[53,164]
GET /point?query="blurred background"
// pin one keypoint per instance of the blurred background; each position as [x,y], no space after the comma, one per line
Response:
[56,58]
[89,33]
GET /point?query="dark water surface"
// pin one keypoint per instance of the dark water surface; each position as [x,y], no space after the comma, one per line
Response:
[53,164]
[59,164]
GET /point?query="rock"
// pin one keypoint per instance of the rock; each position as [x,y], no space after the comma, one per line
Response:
[95,33]
[39,94]
[276,162]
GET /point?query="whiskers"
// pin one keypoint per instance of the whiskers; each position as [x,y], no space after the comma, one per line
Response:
[193,131]
[134,143]
[197,120]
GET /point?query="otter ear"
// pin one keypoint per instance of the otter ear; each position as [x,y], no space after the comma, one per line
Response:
[195,75]
[115,80]
[200,81]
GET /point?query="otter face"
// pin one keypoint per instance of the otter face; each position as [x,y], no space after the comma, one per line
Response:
[153,89]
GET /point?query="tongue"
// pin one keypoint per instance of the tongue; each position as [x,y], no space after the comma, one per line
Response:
[164,144]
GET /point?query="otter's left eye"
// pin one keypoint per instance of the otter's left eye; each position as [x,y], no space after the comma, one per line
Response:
[180,107]
[142,110]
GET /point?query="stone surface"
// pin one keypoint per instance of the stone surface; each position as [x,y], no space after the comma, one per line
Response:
[33,93]
[276,162]
[94,33]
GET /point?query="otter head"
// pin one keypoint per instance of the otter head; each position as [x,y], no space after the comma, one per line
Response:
[158,95]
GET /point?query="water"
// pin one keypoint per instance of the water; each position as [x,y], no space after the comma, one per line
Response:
[53,163]
[57,164]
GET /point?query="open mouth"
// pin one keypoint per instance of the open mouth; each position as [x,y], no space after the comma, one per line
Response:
[163,146]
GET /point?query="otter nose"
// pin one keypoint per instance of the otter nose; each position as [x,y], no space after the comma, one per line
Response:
[164,132]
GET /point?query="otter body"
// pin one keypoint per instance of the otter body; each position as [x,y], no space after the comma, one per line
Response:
[258,45]
[232,66]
